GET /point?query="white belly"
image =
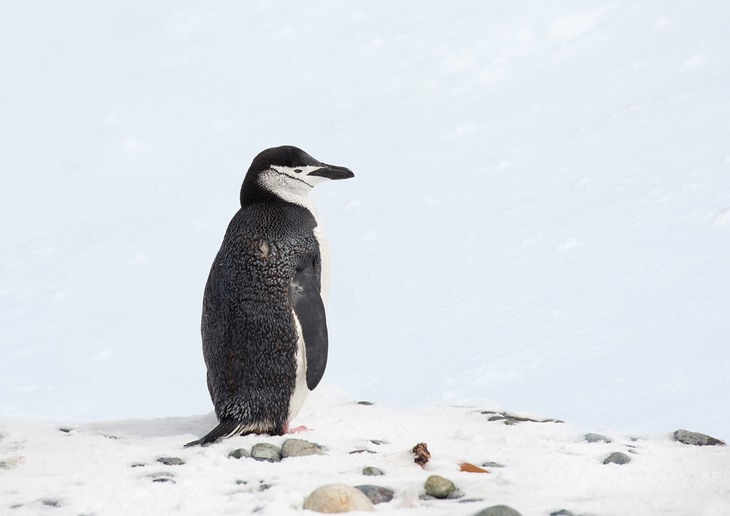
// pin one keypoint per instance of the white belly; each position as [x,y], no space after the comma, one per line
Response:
[300,384]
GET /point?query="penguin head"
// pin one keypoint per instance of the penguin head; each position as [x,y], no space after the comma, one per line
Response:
[288,172]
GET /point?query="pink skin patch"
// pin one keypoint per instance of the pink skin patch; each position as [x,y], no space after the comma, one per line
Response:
[294,430]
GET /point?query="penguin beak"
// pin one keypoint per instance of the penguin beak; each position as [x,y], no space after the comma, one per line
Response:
[332,172]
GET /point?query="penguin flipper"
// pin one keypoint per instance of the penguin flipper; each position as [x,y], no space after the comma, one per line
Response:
[225,428]
[309,309]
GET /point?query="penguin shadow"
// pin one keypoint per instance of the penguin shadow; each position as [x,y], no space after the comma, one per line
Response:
[159,427]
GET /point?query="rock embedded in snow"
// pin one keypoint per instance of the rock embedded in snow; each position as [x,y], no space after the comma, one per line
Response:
[336,498]
[597,438]
[376,494]
[371,471]
[300,448]
[696,438]
[439,487]
[161,476]
[266,452]
[239,453]
[562,512]
[491,464]
[617,458]
[498,510]
[171,461]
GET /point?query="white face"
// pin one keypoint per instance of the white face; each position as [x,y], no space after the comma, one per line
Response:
[300,174]
[291,183]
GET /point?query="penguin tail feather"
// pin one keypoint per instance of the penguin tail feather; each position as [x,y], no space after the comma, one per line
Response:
[225,428]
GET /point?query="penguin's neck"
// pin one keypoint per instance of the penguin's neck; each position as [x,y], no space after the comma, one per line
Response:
[295,192]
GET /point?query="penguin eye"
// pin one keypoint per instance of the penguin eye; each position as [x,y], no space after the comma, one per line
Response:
[298,170]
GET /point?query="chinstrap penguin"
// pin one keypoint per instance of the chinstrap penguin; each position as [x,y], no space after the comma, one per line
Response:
[263,324]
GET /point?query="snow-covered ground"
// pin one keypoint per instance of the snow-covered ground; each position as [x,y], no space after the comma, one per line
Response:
[540,221]
[111,468]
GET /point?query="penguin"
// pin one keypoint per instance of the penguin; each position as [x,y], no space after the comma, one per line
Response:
[263,324]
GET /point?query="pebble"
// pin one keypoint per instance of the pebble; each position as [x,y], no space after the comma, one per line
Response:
[376,494]
[362,450]
[439,487]
[498,510]
[335,498]
[239,453]
[171,461]
[492,465]
[300,448]
[617,458]
[366,403]
[597,438]
[266,452]
[161,476]
[562,512]
[696,438]
[372,471]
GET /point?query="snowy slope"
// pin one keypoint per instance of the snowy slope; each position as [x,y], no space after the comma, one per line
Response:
[539,219]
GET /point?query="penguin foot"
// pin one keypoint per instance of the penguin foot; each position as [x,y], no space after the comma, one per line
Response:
[295,430]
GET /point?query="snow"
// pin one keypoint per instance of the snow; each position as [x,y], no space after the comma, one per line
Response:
[539,222]
[547,466]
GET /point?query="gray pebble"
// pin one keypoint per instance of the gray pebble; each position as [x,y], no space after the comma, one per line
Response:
[300,448]
[266,452]
[562,512]
[367,403]
[353,452]
[492,465]
[171,461]
[597,438]
[378,442]
[439,487]
[696,438]
[377,494]
[239,453]
[160,474]
[498,510]
[372,471]
[617,458]
[164,479]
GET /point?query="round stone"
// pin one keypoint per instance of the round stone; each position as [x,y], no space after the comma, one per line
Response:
[376,494]
[498,510]
[336,498]
[300,448]
[597,438]
[617,458]
[439,487]
[239,453]
[372,471]
[696,438]
[266,452]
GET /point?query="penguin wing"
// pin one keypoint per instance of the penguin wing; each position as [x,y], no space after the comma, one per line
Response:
[309,309]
